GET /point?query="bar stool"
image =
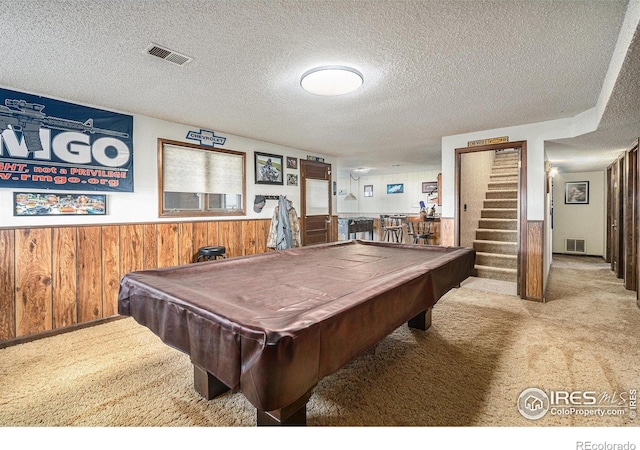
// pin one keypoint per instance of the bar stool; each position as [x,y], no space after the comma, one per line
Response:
[211,251]
[419,229]
[391,228]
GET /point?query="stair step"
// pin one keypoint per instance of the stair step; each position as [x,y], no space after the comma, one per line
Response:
[510,169]
[497,260]
[496,243]
[495,204]
[503,158]
[506,154]
[503,177]
[505,162]
[501,194]
[496,273]
[498,224]
[497,235]
[503,185]
[500,247]
[499,213]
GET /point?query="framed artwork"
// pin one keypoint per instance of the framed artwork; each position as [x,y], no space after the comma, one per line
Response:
[268,168]
[292,163]
[397,188]
[576,192]
[368,190]
[292,179]
[58,204]
[429,187]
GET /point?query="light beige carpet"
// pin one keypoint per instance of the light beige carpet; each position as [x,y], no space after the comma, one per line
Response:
[468,369]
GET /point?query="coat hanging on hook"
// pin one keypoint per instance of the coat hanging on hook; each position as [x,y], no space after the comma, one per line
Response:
[285,228]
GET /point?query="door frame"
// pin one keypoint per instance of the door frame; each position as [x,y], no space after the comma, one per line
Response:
[304,166]
[617,217]
[630,217]
[609,222]
[522,201]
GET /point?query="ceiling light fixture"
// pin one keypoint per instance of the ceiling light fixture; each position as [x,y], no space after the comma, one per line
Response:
[350,196]
[331,80]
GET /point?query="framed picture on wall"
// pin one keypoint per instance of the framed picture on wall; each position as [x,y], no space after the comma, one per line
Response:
[576,192]
[292,163]
[368,190]
[58,204]
[396,188]
[429,187]
[268,168]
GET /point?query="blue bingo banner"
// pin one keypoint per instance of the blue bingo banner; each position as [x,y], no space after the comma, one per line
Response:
[47,143]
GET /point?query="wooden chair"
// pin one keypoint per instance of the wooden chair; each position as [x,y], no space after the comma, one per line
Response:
[392,229]
[419,229]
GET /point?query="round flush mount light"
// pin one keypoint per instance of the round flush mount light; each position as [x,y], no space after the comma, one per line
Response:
[331,80]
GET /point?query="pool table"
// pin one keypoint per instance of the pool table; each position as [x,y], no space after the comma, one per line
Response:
[272,325]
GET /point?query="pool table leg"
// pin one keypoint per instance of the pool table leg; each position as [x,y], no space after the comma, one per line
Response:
[293,414]
[421,321]
[206,384]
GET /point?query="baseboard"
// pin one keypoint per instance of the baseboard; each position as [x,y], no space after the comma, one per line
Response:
[57,331]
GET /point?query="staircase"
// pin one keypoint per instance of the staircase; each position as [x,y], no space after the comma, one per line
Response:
[496,242]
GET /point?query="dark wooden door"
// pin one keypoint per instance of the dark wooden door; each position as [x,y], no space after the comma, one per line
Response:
[630,218]
[608,233]
[617,221]
[315,202]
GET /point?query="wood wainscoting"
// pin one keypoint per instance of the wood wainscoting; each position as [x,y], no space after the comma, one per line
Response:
[447,231]
[52,278]
[534,261]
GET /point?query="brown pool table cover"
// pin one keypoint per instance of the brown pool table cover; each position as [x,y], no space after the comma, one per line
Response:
[272,325]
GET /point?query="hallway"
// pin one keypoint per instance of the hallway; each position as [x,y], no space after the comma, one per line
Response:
[572,277]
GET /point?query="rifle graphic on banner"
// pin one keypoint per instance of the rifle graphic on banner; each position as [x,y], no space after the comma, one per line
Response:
[28,118]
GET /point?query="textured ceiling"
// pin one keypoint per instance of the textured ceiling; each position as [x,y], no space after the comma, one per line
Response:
[431,69]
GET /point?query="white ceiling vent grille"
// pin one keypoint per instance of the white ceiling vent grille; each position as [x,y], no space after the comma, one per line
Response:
[168,55]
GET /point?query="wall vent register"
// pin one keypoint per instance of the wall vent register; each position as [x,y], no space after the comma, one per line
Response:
[576,245]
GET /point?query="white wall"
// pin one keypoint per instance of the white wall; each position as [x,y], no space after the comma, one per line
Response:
[534,134]
[142,204]
[580,221]
[475,174]
[381,202]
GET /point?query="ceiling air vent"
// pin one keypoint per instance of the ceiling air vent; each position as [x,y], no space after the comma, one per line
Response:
[168,55]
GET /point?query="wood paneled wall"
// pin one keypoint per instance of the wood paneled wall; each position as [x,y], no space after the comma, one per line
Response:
[56,277]
[447,231]
[534,261]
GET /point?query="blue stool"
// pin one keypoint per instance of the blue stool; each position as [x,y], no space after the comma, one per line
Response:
[211,252]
